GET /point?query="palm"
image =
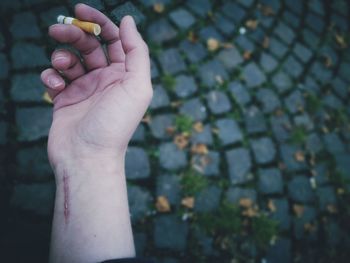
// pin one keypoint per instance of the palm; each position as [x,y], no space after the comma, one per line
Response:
[100,109]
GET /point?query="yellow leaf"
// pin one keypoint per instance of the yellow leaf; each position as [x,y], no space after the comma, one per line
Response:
[162,204]
[246,202]
[181,140]
[198,127]
[252,24]
[299,156]
[212,44]
[271,206]
[46,97]
[266,42]
[340,39]
[247,54]
[298,210]
[188,202]
[199,148]
[158,7]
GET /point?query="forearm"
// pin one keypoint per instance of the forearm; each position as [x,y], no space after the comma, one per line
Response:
[91,217]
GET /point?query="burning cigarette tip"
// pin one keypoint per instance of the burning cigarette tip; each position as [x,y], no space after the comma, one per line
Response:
[88,27]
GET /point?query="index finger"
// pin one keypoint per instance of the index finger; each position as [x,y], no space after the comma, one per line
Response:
[109,31]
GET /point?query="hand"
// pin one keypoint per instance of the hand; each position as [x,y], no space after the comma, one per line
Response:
[98,107]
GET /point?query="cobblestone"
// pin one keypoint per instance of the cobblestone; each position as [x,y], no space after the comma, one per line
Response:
[239,165]
[264,150]
[218,102]
[262,114]
[229,131]
[170,233]
[270,181]
[136,163]
[27,87]
[33,123]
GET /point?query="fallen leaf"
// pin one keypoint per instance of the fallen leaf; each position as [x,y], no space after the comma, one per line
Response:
[308,227]
[188,202]
[170,130]
[246,202]
[266,42]
[46,97]
[298,210]
[299,156]
[252,24]
[199,148]
[198,126]
[332,209]
[162,204]
[247,54]
[325,129]
[227,45]
[146,119]
[219,79]
[250,212]
[176,104]
[271,206]
[158,7]
[215,130]
[327,60]
[212,44]
[267,10]
[192,37]
[340,191]
[181,141]
[340,40]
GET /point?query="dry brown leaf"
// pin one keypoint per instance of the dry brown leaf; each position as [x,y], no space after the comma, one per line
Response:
[267,10]
[192,37]
[250,212]
[340,191]
[170,130]
[199,148]
[309,227]
[271,206]
[299,156]
[46,97]
[162,204]
[332,209]
[246,202]
[213,44]
[198,126]
[158,7]
[266,42]
[325,129]
[247,54]
[176,103]
[227,45]
[298,210]
[328,62]
[188,202]
[340,40]
[146,119]
[181,141]
[252,24]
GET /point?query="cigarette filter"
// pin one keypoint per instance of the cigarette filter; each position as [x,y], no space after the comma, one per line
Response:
[88,27]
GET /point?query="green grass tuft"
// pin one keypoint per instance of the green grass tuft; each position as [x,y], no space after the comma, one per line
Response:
[263,230]
[193,182]
[183,123]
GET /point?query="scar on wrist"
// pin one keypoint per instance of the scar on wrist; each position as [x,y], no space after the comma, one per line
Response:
[88,27]
[66,197]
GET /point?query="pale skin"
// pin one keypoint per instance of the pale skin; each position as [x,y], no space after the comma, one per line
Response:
[97,107]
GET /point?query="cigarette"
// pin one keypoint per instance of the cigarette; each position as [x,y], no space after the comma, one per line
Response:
[88,27]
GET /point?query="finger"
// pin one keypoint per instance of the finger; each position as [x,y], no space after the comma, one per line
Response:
[109,31]
[53,81]
[68,63]
[89,47]
[136,50]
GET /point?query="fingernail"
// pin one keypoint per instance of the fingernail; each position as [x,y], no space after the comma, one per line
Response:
[59,56]
[54,82]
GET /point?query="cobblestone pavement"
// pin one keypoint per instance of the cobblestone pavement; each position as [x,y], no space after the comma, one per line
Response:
[244,154]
